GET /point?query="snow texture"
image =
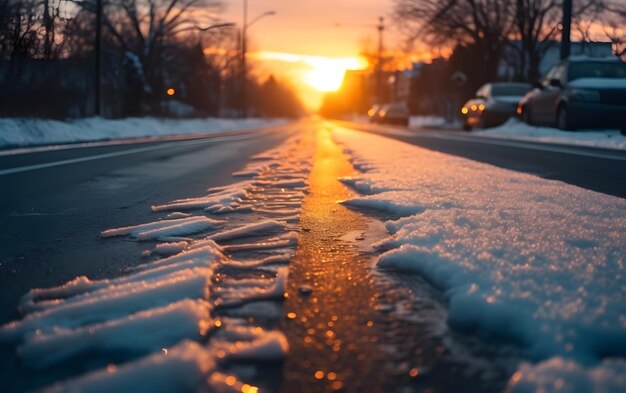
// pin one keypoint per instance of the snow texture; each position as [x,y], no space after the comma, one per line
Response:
[165,228]
[147,315]
[534,261]
[515,130]
[15,132]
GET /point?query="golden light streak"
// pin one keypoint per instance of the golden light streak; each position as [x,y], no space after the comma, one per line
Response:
[324,74]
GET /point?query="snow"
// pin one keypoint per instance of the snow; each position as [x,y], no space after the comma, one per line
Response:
[516,130]
[167,326]
[181,369]
[144,318]
[426,121]
[253,229]
[165,228]
[530,260]
[562,375]
[15,132]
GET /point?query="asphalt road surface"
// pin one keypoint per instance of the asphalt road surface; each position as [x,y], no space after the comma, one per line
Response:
[600,170]
[55,202]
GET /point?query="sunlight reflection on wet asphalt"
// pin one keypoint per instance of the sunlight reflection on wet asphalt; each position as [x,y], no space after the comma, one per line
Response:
[350,327]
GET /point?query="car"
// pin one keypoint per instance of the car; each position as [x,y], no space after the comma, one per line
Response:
[580,92]
[493,104]
[374,113]
[396,114]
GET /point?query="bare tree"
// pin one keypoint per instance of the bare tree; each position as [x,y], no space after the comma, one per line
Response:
[615,26]
[484,25]
[144,29]
[536,28]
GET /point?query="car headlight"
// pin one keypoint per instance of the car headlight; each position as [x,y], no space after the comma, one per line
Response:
[586,95]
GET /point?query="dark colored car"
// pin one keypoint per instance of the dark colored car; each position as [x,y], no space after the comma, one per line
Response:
[397,114]
[494,104]
[579,93]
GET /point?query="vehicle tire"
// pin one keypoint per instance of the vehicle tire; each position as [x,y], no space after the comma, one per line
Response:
[562,119]
[466,127]
[527,116]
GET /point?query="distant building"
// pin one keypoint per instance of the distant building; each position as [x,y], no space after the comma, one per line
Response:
[510,65]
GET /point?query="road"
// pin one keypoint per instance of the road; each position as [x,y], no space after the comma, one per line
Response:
[594,169]
[55,202]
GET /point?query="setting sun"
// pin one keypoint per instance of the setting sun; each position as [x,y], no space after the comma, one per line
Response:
[323,74]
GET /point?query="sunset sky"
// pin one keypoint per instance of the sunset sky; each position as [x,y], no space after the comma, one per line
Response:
[311,42]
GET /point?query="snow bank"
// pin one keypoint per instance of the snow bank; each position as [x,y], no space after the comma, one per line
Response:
[531,260]
[566,376]
[516,130]
[27,132]
[426,121]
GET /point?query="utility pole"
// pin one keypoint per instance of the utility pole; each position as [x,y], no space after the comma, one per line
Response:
[98,55]
[244,50]
[567,28]
[379,63]
[244,65]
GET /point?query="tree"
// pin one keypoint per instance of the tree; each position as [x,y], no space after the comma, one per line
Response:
[483,25]
[145,29]
[615,26]
[536,28]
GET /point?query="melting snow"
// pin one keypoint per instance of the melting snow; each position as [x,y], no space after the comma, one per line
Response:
[165,228]
[533,260]
[153,308]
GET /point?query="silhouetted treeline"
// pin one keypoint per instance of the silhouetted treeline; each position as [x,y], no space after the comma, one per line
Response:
[491,40]
[155,60]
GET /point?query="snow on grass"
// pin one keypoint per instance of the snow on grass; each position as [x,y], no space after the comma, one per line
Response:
[516,130]
[165,228]
[531,260]
[16,132]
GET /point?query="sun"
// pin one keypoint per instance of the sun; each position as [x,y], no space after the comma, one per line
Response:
[326,74]
[324,78]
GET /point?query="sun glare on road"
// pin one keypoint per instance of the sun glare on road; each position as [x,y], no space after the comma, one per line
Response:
[324,74]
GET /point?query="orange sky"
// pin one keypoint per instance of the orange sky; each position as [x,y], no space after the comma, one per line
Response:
[310,42]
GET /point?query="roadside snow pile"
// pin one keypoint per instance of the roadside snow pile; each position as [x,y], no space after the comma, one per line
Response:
[516,130]
[15,132]
[534,261]
[426,121]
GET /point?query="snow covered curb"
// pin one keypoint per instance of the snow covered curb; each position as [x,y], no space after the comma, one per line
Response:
[19,132]
[516,130]
[534,261]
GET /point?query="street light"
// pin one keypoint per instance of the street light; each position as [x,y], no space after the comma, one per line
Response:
[215,26]
[244,49]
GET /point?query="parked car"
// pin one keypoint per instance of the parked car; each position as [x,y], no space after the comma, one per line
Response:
[396,113]
[493,104]
[374,113]
[579,93]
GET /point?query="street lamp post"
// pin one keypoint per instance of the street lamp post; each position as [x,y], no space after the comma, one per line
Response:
[244,50]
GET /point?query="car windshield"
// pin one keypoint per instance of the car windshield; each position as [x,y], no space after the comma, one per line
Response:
[597,70]
[509,90]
